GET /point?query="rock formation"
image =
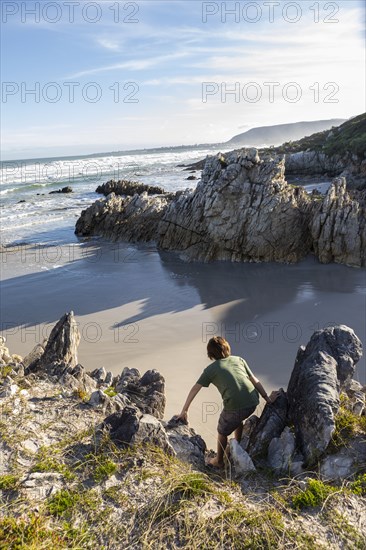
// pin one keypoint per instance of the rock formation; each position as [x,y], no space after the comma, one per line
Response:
[321,370]
[293,433]
[241,210]
[127,188]
[338,227]
[117,218]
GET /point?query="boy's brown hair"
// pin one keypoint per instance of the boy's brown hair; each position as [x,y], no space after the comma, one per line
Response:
[218,348]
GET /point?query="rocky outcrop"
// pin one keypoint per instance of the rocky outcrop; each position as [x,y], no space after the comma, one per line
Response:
[60,351]
[241,210]
[271,424]
[79,473]
[127,188]
[131,427]
[146,392]
[338,227]
[316,163]
[321,369]
[63,190]
[295,432]
[131,219]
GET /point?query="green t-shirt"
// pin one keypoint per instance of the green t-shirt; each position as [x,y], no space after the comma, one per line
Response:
[231,378]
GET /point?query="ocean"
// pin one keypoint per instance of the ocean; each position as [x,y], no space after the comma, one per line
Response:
[30,214]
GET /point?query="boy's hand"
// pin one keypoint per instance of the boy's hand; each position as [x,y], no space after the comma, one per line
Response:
[272,398]
[183,416]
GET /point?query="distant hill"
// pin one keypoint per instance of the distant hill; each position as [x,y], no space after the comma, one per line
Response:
[278,134]
[349,137]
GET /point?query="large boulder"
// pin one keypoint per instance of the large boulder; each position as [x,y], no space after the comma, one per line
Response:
[321,368]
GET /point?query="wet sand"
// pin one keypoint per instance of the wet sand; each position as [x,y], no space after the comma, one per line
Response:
[142,309]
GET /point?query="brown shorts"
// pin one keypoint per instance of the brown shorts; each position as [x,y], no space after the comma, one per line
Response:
[230,420]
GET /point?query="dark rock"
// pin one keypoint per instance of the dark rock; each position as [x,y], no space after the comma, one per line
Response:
[19,202]
[123,425]
[130,426]
[271,424]
[320,370]
[187,444]
[63,190]
[61,349]
[338,226]
[146,392]
[127,188]
[191,178]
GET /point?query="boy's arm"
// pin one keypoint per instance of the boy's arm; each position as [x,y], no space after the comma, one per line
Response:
[258,386]
[192,394]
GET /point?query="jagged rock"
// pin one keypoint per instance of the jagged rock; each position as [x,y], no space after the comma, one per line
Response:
[131,219]
[127,188]
[280,451]
[99,375]
[146,392]
[271,424]
[187,444]
[240,458]
[61,349]
[339,227]
[357,399]
[316,163]
[313,391]
[33,356]
[242,209]
[151,432]
[108,378]
[78,381]
[99,399]
[130,426]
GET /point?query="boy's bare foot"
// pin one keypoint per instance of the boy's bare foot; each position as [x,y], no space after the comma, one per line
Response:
[215,463]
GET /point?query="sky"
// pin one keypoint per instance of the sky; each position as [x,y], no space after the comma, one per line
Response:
[80,77]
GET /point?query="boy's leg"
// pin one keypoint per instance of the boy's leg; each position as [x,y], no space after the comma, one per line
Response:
[221,446]
[239,432]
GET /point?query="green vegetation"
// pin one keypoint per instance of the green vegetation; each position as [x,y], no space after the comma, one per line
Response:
[66,502]
[47,462]
[344,531]
[315,494]
[358,486]
[34,533]
[9,482]
[111,392]
[347,425]
[5,370]
[104,470]
[349,137]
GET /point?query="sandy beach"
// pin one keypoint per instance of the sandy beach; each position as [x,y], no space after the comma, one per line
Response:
[142,309]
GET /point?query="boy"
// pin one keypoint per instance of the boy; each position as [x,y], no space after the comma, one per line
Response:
[239,389]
